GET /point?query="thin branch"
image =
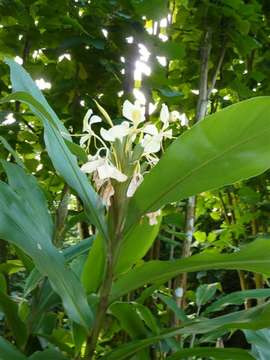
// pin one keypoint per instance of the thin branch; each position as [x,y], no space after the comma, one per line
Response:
[214,79]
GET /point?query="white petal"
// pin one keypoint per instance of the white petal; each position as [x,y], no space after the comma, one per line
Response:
[116,132]
[150,129]
[165,115]
[175,115]
[95,119]
[86,120]
[136,181]
[151,144]
[183,120]
[84,138]
[167,134]
[118,175]
[108,171]
[133,112]
[128,108]
[91,166]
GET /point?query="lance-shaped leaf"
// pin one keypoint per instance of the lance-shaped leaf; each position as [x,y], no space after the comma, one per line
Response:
[216,353]
[56,137]
[255,318]
[9,352]
[134,246]
[237,298]
[25,222]
[225,147]
[253,257]
[17,326]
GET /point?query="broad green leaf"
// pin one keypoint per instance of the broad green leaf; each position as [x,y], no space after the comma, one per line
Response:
[12,151]
[204,293]
[63,160]
[253,257]
[254,318]
[260,343]
[129,319]
[94,266]
[16,325]
[170,302]
[70,253]
[237,298]
[152,9]
[9,352]
[215,353]
[49,354]
[136,244]
[3,284]
[24,221]
[225,147]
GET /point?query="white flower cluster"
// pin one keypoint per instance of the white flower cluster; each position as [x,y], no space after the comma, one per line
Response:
[130,134]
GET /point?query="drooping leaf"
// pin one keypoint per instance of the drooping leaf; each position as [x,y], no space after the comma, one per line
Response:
[55,138]
[9,352]
[49,354]
[24,221]
[254,318]
[216,353]
[16,325]
[252,257]
[260,342]
[69,253]
[237,298]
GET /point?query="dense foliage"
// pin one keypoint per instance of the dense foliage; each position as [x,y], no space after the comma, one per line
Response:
[134,229]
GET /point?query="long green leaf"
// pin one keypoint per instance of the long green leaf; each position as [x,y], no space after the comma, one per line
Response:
[223,148]
[93,270]
[237,298]
[9,352]
[255,318]
[260,343]
[69,253]
[63,160]
[24,221]
[49,354]
[252,257]
[17,326]
[136,244]
[215,353]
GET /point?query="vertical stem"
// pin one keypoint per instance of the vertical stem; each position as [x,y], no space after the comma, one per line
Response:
[200,114]
[115,221]
[102,307]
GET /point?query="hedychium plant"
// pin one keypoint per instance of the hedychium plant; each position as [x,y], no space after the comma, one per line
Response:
[127,181]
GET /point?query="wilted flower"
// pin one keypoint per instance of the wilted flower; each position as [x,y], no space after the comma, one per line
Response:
[135,182]
[106,193]
[153,216]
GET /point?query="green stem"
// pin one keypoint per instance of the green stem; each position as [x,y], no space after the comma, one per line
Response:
[101,311]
